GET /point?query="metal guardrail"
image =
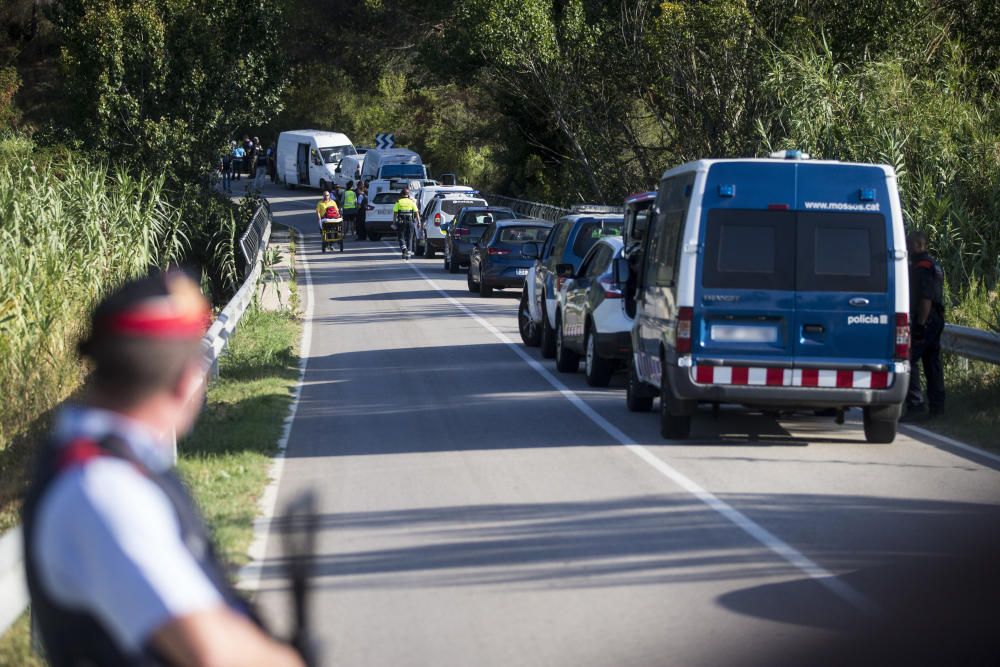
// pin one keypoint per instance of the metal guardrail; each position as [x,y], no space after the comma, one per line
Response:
[13,589]
[529,209]
[253,237]
[971,343]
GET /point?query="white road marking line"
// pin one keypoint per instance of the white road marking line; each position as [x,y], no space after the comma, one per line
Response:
[776,545]
[249,575]
[951,442]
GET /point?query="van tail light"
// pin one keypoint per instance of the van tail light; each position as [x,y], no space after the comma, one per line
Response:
[611,290]
[497,251]
[437,219]
[684,319]
[902,337]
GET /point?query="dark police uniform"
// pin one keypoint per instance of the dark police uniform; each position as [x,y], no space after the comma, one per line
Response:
[926,282]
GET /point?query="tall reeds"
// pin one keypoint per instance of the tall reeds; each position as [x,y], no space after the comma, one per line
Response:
[69,232]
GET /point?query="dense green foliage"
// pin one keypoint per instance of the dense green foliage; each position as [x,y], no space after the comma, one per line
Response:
[69,232]
[577,100]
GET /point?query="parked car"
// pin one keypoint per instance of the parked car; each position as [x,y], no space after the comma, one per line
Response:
[496,261]
[775,283]
[571,239]
[591,322]
[442,203]
[465,229]
[378,220]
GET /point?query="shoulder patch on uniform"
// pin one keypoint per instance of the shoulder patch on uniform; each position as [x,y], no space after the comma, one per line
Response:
[78,452]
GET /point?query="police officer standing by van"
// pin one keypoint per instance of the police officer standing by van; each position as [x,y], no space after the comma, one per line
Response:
[121,568]
[926,326]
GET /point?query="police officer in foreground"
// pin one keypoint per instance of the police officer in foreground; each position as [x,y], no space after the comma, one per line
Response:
[120,566]
[350,209]
[926,325]
[406,218]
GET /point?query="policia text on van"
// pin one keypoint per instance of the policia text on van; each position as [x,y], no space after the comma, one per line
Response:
[745,296]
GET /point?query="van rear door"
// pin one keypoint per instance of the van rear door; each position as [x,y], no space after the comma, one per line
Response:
[747,296]
[844,312]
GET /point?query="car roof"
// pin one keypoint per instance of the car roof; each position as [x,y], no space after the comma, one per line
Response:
[488,208]
[615,242]
[518,222]
[640,197]
[576,217]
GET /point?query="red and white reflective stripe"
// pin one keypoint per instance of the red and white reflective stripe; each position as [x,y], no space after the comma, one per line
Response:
[791,377]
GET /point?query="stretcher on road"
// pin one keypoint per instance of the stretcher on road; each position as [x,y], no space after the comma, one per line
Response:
[333,233]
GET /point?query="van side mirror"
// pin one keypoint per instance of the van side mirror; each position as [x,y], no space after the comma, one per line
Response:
[529,250]
[565,270]
[337,170]
[620,271]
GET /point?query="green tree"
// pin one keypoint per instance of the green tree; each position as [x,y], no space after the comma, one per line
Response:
[167,82]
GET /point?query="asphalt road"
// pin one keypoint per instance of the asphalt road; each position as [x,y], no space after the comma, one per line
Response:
[478,508]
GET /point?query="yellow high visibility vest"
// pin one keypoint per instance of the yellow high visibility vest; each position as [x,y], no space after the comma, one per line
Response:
[350,200]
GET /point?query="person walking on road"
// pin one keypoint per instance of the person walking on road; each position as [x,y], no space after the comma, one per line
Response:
[926,326]
[261,170]
[323,209]
[350,209]
[362,211]
[405,218]
[120,566]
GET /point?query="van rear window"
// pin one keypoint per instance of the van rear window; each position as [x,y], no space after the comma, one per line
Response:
[387,197]
[788,250]
[453,206]
[750,250]
[842,252]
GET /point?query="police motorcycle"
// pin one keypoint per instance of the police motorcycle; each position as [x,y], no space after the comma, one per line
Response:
[332,227]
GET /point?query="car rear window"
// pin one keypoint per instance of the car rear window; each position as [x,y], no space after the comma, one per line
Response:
[788,250]
[480,217]
[523,234]
[387,197]
[453,206]
[591,232]
[750,250]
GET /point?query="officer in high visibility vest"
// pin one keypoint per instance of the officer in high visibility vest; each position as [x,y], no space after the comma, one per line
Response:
[406,229]
[926,327]
[120,565]
[350,209]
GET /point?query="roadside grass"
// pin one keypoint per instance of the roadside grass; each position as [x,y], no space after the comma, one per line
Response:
[972,404]
[227,457]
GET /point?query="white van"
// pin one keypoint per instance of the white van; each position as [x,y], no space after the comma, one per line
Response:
[349,170]
[392,163]
[311,157]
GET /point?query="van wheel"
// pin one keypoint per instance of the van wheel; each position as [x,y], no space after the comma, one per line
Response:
[567,361]
[548,342]
[674,423]
[880,424]
[597,369]
[636,398]
[323,185]
[530,332]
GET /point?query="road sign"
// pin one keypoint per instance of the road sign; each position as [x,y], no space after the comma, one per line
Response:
[385,140]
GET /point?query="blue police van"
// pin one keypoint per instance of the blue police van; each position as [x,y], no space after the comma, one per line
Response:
[773,283]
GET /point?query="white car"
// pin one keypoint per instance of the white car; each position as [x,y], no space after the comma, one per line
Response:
[591,321]
[441,209]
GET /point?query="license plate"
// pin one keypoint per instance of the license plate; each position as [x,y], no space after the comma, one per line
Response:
[737,334]
[522,272]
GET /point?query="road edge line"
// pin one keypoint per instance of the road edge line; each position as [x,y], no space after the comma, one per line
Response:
[761,535]
[944,442]
[250,574]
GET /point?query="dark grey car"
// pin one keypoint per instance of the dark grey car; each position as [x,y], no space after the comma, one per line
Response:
[465,229]
[496,260]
